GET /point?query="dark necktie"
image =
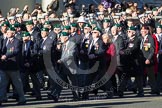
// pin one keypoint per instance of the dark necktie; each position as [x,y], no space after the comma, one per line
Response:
[42,43]
[160,44]
[64,47]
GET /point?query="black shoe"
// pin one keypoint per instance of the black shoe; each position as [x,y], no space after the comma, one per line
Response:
[155,92]
[38,98]
[120,94]
[134,90]
[52,97]
[79,94]
[13,97]
[76,99]
[85,96]
[21,103]
[140,95]
[109,95]
[0,103]
[95,92]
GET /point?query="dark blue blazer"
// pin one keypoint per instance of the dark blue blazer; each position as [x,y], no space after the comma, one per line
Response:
[12,51]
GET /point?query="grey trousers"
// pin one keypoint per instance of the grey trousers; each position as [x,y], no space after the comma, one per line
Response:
[151,76]
[14,76]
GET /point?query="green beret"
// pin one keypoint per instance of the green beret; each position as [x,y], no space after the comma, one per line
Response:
[73,25]
[154,9]
[106,20]
[47,23]
[26,34]
[29,23]
[45,29]
[118,25]
[97,29]
[64,34]
[67,27]
[159,26]
[87,25]
[5,24]
[132,28]
[16,25]
[57,26]
[93,22]
[11,28]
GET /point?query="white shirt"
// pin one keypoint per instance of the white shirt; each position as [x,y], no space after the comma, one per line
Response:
[92,44]
[107,29]
[114,38]
[145,38]
[95,40]
[142,42]
[9,39]
[65,45]
[158,36]
[31,32]
[73,34]
[86,36]
[44,39]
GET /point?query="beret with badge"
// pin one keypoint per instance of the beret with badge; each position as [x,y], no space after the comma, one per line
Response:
[5,24]
[106,20]
[132,28]
[29,23]
[87,25]
[64,34]
[11,29]
[118,25]
[47,23]
[45,29]
[93,22]
[159,26]
[67,27]
[154,9]
[16,25]
[56,26]
[73,25]
[97,29]
[26,34]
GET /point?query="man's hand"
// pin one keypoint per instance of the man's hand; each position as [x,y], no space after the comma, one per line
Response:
[17,10]
[71,1]
[3,57]
[27,64]
[59,61]
[121,52]
[82,52]
[160,52]
[147,61]
[26,8]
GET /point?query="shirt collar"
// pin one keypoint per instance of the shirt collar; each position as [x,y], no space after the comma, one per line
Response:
[73,33]
[145,37]
[31,32]
[115,36]
[131,38]
[87,35]
[95,40]
[44,38]
[11,38]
